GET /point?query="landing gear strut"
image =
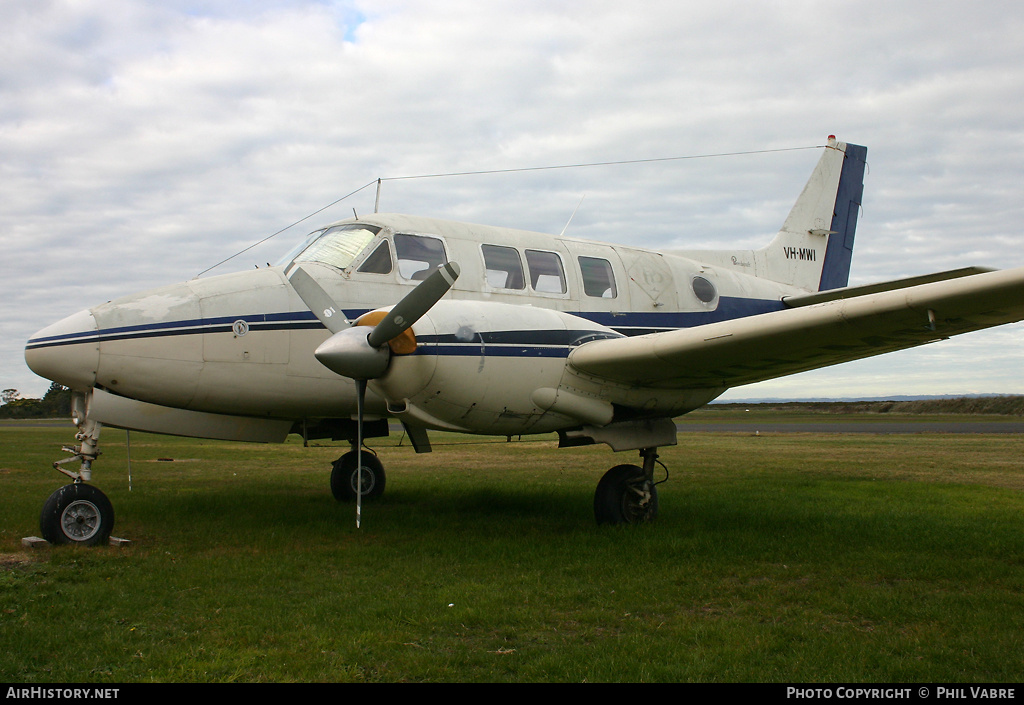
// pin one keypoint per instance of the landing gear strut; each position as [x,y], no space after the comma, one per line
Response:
[627,494]
[78,513]
[345,477]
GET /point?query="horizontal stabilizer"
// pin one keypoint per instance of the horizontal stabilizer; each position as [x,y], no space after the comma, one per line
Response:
[851,291]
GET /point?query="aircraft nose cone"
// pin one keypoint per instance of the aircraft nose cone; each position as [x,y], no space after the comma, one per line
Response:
[67,352]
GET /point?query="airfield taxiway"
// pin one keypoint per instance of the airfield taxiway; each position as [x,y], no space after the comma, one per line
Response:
[851,426]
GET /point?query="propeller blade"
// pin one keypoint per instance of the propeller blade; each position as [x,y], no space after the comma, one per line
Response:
[318,300]
[351,353]
[416,303]
[360,403]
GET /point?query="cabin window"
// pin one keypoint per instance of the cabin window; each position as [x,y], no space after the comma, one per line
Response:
[379,262]
[703,289]
[418,255]
[503,268]
[598,279]
[338,246]
[546,273]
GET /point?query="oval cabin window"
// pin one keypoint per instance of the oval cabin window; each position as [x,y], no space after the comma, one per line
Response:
[703,289]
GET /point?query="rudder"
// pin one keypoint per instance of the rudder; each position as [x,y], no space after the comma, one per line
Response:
[814,248]
[835,273]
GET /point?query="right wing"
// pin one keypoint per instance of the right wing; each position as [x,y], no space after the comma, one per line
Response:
[869,321]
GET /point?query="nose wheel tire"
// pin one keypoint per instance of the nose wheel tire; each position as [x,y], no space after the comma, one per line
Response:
[345,480]
[77,514]
[625,496]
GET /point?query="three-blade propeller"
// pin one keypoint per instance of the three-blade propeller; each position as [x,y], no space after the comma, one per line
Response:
[360,354]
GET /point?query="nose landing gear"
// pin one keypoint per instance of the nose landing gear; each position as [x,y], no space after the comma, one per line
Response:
[78,513]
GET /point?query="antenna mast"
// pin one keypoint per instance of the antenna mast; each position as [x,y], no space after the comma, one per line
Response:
[572,216]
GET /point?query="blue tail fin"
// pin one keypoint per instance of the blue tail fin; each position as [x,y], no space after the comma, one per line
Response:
[814,247]
[839,252]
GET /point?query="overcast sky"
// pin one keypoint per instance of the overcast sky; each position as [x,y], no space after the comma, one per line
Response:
[142,142]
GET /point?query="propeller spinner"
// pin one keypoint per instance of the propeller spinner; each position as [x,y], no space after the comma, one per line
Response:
[360,354]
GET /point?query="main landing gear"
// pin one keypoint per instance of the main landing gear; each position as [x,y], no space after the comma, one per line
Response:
[345,476]
[628,494]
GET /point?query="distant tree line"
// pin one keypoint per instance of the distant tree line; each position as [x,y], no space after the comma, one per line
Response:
[56,403]
[1004,404]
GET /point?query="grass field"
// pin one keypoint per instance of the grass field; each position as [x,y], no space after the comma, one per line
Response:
[786,557]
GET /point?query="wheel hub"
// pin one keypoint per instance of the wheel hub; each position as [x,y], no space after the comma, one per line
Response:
[636,501]
[80,520]
[369,480]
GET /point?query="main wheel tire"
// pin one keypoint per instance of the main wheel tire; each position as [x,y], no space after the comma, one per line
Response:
[625,496]
[344,477]
[78,514]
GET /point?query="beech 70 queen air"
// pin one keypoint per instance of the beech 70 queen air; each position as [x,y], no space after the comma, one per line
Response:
[493,331]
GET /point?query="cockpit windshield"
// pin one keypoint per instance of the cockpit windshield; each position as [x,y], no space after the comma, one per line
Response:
[337,246]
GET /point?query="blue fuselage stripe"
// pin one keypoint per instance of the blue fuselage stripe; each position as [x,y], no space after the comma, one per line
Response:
[500,343]
[477,350]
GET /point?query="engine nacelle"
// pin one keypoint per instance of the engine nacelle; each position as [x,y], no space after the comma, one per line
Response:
[492,368]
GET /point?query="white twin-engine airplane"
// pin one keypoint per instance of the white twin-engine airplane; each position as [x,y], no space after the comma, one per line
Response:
[495,331]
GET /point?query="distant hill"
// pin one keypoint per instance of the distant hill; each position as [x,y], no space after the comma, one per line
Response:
[1007,405]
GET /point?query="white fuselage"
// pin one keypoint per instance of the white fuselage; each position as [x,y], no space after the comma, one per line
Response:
[242,344]
[493,356]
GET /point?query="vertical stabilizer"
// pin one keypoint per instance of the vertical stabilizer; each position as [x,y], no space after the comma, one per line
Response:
[814,248]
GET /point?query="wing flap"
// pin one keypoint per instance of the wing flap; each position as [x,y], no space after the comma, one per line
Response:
[779,343]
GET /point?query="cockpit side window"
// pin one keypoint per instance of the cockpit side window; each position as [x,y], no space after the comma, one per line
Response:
[339,246]
[418,255]
[379,261]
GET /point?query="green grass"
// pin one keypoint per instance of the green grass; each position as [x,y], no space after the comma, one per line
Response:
[789,557]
